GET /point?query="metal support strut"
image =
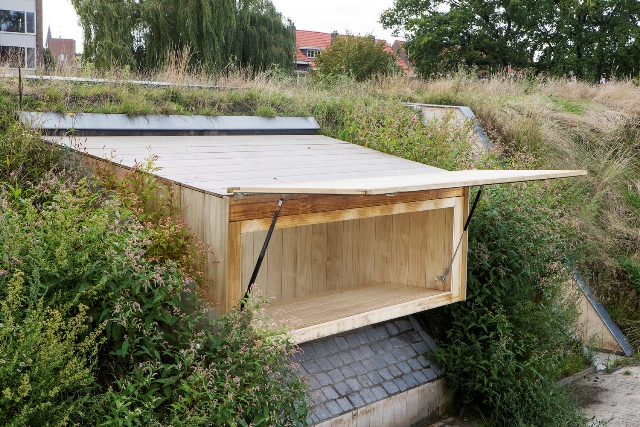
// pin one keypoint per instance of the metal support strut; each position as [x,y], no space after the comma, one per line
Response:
[464,230]
[256,269]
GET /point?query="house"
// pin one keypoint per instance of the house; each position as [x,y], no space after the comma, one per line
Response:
[310,43]
[20,33]
[63,50]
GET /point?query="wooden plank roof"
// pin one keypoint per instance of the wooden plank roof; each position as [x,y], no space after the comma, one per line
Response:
[216,163]
[409,182]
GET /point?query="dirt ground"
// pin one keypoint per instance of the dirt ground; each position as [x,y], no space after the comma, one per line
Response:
[605,396]
[614,396]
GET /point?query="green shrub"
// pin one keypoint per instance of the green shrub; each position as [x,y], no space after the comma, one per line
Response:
[506,346]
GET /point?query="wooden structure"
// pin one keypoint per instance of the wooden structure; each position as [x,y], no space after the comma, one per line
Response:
[361,236]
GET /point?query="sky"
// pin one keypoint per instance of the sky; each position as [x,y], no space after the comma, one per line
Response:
[357,16]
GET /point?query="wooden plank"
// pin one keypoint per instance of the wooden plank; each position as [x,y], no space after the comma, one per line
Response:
[347,214]
[274,265]
[349,322]
[289,262]
[248,259]
[350,266]
[459,273]
[216,235]
[401,249]
[319,257]
[234,266]
[304,263]
[417,182]
[418,254]
[365,250]
[335,258]
[263,206]
[389,412]
[384,255]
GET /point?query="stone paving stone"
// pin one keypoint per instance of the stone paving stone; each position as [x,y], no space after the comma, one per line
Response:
[324,379]
[395,371]
[430,374]
[375,377]
[353,384]
[379,392]
[356,400]
[342,343]
[347,371]
[332,346]
[368,396]
[404,367]
[392,329]
[335,360]
[334,408]
[342,388]
[401,384]
[324,363]
[336,376]
[390,387]
[359,368]
[345,405]
[330,392]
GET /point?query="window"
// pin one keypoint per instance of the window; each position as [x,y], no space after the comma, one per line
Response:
[311,53]
[17,21]
[31,22]
[31,57]
[62,57]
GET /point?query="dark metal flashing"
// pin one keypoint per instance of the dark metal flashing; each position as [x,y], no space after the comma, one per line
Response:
[88,124]
[360,367]
[466,112]
[602,312]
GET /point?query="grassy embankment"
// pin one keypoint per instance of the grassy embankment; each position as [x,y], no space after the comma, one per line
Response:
[546,124]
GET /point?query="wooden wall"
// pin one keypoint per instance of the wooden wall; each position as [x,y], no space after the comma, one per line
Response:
[408,249]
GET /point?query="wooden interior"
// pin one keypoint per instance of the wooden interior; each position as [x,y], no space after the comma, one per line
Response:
[333,271]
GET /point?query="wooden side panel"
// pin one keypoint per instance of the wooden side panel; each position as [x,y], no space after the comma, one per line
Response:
[335,255]
[319,257]
[216,236]
[591,327]
[290,254]
[366,248]
[234,266]
[273,260]
[304,261]
[383,253]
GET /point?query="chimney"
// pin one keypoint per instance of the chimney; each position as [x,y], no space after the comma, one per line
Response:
[334,35]
[39,46]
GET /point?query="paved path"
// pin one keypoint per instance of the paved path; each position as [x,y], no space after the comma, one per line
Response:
[614,396]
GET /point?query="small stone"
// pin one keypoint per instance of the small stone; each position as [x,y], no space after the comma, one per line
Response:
[353,384]
[357,354]
[375,377]
[404,367]
[403,325]
[324,379]
[346,357]
[332,346]
[335,360]
[386,374]
[341,343]
[336,375]
[324,364]
[392,328]
[359,368]
[330,393]
[342,388]
[347,371]
[379,392]
[368,396]
[421,347]
[401,384]
[389,358]
[334,408]
[356,400]
[320,349]
[395,371]
[345,405]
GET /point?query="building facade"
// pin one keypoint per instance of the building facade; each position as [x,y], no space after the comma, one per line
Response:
[63,50]
[20,33]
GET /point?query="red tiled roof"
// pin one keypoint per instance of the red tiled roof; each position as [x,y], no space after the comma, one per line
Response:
[321,41]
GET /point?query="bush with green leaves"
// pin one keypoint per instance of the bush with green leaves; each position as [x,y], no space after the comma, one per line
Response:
[504,348]
[111,327]
[360,57]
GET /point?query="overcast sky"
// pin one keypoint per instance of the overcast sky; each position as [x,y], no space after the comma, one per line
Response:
[357,16]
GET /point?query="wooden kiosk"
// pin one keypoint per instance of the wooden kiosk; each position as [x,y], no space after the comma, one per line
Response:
[361,237]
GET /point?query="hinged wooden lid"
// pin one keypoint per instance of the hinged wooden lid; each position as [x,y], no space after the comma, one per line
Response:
[406,183]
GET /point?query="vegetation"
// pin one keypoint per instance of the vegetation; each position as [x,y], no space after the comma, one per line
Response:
[505,347]
[213,35]
[588,40]
[360,57]
[100,319]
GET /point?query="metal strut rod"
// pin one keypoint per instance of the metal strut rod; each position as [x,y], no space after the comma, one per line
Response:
[256,269]
[464,230]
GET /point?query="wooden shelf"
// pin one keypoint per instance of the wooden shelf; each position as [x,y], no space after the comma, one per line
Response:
[332,312]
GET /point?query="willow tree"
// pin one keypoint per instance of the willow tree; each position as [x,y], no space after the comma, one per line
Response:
[215,34]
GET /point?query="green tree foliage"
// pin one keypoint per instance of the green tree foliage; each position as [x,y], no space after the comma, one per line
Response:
[356,56]
[588,39]
[214,34]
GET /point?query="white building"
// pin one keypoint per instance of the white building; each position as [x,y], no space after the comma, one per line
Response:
[20,32]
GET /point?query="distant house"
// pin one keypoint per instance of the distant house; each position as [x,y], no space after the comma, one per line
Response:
[309,44]
[63,50]
[20,33]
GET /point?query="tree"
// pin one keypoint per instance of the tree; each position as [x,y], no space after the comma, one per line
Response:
[215,34]
[588,39]
[356,56]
